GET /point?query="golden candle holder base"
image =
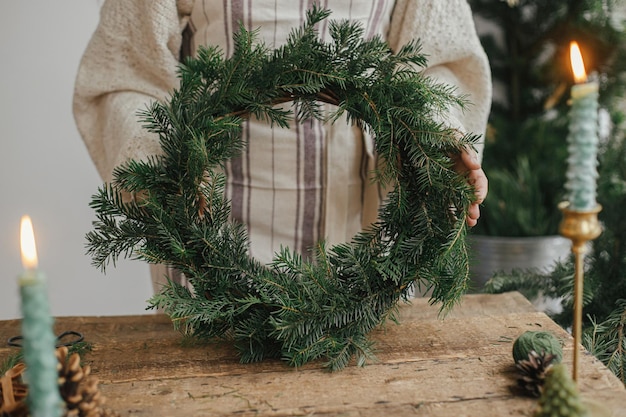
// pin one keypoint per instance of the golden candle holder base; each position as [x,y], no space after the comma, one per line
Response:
[580,227]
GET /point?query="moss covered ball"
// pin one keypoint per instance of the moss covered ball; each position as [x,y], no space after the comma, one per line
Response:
[540,342]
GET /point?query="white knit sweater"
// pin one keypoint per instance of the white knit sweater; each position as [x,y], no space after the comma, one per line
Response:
[132,58]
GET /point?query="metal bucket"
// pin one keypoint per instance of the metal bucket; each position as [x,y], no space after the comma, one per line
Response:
[491,254]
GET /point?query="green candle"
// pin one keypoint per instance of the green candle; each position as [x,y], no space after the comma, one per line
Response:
[582,141]
[39,341]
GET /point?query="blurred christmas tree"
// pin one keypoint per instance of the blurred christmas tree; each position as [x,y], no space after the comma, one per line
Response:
[527,42]
[527,45]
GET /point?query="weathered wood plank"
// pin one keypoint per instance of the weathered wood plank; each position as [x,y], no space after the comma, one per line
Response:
[447,387]
[457,366]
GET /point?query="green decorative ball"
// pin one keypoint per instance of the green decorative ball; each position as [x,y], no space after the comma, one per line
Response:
[540,342]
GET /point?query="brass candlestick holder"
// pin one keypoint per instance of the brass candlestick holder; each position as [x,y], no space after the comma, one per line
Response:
[580,227]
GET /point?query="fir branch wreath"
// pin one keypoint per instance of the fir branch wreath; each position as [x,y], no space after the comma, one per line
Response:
[295,309]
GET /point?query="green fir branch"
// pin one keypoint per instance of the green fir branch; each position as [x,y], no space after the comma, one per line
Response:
[607,340]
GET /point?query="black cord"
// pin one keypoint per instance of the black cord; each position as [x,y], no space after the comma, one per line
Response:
[16,341]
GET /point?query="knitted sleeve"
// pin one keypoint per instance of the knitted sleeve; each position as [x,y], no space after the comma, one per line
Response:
[130,61]
[455,56]
[132,57]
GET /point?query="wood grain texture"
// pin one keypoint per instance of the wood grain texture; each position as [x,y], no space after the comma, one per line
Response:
[460,365]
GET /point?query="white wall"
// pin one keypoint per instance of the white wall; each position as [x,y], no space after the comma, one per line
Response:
[45,170]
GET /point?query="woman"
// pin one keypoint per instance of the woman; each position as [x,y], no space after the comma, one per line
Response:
[291,187]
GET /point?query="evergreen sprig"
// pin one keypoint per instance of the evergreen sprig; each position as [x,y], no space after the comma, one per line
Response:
[295,309]
[607,340]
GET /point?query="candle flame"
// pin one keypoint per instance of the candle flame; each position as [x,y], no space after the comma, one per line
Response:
[27,241]
[578,66]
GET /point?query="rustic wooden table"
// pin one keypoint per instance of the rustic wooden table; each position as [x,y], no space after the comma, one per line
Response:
[458,366]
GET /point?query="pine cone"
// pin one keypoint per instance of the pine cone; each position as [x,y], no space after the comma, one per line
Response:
[533,371]
[78,388]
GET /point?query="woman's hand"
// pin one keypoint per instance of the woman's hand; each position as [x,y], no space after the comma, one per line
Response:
[468,164]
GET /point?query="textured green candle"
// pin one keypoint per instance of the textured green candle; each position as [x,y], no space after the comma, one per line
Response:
[582,144]
[39,341]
